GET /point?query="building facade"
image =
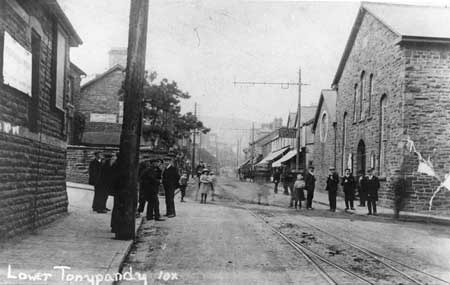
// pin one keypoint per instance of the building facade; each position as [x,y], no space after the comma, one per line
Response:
[35,38]
[393,83]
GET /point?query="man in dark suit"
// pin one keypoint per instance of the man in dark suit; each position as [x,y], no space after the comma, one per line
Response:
[95,167]
[170,178]
[371,184]
[348,183]
[310,184]
[150,181]
[332,188]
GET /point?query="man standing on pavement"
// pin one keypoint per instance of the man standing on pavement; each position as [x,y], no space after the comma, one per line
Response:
[170,178]
[371,184]
[362,192]
[94,176]
[150,178]
[310,184]
[348,183]
[332,188]
[276,179]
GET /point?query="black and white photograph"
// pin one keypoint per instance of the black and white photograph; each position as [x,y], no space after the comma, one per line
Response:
[224,142]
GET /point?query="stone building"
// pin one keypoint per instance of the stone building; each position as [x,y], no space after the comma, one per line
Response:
[393,82]
[35,38]
[73,95]
[102,107]
[324,130]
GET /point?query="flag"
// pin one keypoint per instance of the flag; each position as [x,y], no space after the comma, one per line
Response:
[426,167]
[446,182]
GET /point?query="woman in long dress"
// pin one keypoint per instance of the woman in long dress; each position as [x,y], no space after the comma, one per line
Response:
[205,185]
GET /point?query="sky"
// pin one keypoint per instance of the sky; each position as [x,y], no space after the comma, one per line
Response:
[207,45]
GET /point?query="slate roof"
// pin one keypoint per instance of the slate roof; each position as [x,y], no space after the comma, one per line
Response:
[104,74]
[408,22]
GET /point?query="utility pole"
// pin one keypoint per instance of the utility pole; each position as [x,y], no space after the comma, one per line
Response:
[125,220]
[299,116]
[217,156]
[238,146]
[193,145]
[253,144]
[286,85]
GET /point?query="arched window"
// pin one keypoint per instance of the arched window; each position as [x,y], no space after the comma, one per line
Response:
[323,127]
[370,93]
[355,91]
[373,160]
[344,140]
[361,95]
[382,138]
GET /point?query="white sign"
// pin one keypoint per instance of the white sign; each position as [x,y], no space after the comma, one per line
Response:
[103,118]
[16,65]
[60,68]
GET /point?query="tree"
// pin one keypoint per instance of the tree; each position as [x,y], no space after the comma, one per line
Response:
[163,123]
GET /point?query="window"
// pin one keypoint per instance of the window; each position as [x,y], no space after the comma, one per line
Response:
[350,162]
[355,91]
[382,138]
[361,95]
[59,53]
[373,160]
[370,93]
[120,117]
[323,127]
[344,140]
[33,108]
[70,90]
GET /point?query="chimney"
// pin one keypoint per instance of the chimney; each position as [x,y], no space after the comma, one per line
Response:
[117,56]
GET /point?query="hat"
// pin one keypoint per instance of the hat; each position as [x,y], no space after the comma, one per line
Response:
[311,167]
[332,168]
[205,170]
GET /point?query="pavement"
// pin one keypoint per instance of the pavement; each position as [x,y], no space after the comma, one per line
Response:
[80,245]
[321,197]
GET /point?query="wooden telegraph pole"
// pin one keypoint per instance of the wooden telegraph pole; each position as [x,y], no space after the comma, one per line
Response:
[299,116]
[129,137]
[193,165]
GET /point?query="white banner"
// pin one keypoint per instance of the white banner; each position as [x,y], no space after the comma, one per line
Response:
[16,65]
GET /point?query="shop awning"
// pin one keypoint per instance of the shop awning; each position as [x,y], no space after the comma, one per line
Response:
[273,155]
[245,163]
[291,154]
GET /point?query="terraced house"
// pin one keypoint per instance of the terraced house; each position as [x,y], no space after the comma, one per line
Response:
[393,82]
[35,38]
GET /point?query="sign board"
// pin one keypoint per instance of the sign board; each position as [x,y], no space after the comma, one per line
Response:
[17,69]
[103,118]
[287,132]
[60,69]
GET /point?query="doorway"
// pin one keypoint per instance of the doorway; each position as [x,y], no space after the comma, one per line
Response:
[361,157]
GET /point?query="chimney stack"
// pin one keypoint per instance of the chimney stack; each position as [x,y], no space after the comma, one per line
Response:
[117,56]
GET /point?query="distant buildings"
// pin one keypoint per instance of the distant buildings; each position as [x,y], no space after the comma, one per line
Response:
[36,91]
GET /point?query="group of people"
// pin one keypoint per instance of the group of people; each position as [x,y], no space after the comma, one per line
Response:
[206,182]
[366,185]
[153,175]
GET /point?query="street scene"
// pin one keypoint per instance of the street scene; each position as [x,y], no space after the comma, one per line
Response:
[212,142]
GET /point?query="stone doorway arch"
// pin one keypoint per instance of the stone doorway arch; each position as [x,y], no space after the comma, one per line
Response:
[361,157]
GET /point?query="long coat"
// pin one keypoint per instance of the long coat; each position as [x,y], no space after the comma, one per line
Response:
[349,184]
[310,182]
[205,184]
[150,182]
[94,171]
[332,183]
[170,178]
[371,186]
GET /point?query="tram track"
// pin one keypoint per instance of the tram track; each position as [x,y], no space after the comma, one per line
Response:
[334,273]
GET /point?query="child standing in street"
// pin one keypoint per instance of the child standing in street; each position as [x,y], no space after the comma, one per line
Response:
[205,186]
[183,184]
[299,195]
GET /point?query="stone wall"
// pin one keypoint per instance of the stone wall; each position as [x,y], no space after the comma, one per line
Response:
[32,130]
[414,79]
[79,157]
[427,107]
[323,154]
